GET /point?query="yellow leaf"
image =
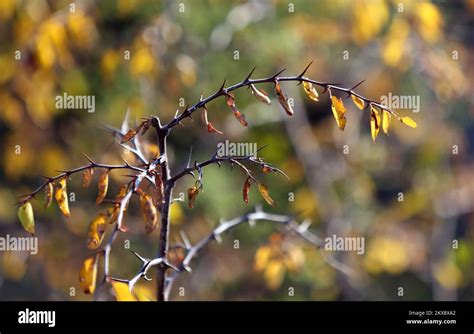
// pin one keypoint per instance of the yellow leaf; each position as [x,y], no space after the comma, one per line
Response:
[374,122]
[262,256]
[266,196]
[338,111]
[408,121]
[88,274]
[103,185]
[311,91]
[358,102]
[61,197]
[48,191]
[386,118]
[274,274]
[27,218]
[97,231]
[261,95]
[122,292]
[87,177]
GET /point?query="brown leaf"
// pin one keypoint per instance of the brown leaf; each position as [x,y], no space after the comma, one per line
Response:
[87,177]
[283,99]
[246,189]
[240,116]
[210,127]
[103,186]
[149,212]
[192,194]
[265,194]
[129,135]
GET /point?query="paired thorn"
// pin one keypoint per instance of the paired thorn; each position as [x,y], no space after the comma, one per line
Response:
[221,89]
[88,158]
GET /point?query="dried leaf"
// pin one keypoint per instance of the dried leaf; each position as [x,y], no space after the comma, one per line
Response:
[87,177]
[358,102]
[262,256]
[246,189]
[97,231]
[240,116]
[130,134]
[408,121]
[48,192]
[61,197]
[27,218]
[210,127]
[88,274]
[230,100]
[311,91]
[103,186]
[267,169]
[338,111]
[261,95]
[386,118]
[283,100]
[112,213]
[265,194]
[374,122]
[122,292]
[192,194]
[149,212]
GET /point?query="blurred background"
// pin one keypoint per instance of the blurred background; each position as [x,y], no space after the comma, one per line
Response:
[410,194]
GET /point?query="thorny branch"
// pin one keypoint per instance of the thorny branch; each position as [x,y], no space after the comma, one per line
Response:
[288,221]
[151,173]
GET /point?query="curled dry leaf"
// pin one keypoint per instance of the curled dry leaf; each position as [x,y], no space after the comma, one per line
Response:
[210,127]
[246,189]
[311,91]
[265,194]
[61,197]
[374,122]
[338,111]
[230,100]
[358,102]
[27,218]
[87,177]
[88,274]
[192,194]
[97,231]
[48,192]
[122,292]
[261,95]
[386,118]
[283,99]
[103,186]
[149,212]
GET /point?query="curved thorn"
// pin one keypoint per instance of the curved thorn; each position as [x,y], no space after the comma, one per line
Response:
[221,89]
[277,74]
[357,85]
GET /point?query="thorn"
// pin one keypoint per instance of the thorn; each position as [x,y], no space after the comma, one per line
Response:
[258,208]
[189,157]
[88,158]
[129,175]
[261,148]
[187,268]
[201,98]
[357,85]
[140,257]
[192,174]
[277,74]
[124,161]
[221,89]
[303,227]
[247,79]
[304,71]
[47,178]
[185,239]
